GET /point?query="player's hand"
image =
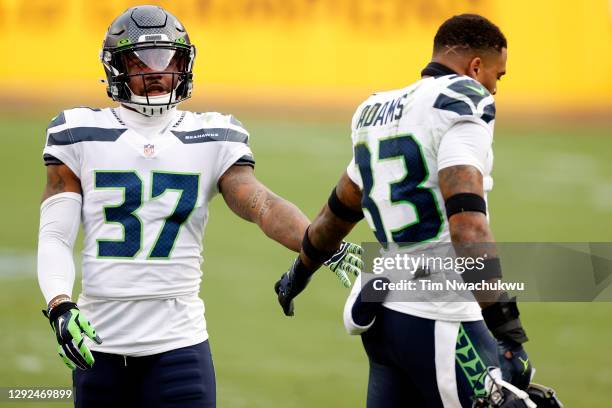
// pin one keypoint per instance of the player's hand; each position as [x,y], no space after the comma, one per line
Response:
[346,261]
[514,363]
[68,324]
[291,284]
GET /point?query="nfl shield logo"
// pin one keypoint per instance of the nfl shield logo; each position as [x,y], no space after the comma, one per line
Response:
[149,150]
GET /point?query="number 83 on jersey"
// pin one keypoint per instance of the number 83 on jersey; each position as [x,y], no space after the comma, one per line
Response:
[396,186]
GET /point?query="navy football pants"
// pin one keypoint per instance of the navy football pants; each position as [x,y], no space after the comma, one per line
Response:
[183,378]
[416,362]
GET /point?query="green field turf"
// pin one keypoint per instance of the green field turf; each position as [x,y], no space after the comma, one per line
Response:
[549,186]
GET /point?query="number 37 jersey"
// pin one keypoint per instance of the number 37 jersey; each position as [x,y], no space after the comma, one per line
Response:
[401,139]
[145,196]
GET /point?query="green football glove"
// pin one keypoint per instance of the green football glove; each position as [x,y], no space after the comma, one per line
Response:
[68,324]
[346,261]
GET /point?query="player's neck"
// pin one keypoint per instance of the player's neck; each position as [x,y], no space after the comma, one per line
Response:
[134,118]
[436,68]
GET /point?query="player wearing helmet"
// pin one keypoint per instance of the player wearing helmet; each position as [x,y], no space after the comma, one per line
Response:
[148,59]
[139,178]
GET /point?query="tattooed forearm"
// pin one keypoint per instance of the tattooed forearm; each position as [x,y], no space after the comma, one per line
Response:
[265,207]
[471,235]
[283,221]
[248,198]
[244,195]
[256,198]
[470,232]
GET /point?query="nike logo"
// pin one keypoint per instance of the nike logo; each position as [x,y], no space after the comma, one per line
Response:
[525,364]
[480,91]
[60,325]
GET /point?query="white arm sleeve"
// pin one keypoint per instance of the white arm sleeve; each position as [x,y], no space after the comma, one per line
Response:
[465,143]
[60,217]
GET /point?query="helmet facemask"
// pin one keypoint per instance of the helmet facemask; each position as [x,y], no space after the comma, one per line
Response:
[150,78]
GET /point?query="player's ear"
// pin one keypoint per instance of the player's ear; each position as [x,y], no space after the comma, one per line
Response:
[474,67]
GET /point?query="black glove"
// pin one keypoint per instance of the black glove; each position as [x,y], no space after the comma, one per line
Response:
[502,319]
[291,284]
[514,363]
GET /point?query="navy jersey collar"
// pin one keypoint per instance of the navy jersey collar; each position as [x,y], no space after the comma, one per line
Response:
[436,69]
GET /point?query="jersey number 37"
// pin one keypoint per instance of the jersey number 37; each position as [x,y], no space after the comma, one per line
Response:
[126,213]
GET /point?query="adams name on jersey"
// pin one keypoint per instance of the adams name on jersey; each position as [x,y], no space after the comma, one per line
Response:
[401,139]
[145,196]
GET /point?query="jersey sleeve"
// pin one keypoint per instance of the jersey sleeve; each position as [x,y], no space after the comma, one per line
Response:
[60,146]
[353,173]
[236,149]
[351,170]
[465,143]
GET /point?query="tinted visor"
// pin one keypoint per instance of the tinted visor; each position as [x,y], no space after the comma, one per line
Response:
[155,60]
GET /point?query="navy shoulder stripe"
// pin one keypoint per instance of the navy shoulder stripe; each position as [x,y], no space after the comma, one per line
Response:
[489,113]
[211,135]
[58,120]
[470,88]
[445,102]
[84,134]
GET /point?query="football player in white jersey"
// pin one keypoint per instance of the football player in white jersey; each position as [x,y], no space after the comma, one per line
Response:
[139,177]
[420,173]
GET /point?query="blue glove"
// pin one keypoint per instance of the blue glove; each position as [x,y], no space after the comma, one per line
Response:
[514,363]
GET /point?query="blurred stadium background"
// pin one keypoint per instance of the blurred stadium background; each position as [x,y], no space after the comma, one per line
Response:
[293,71]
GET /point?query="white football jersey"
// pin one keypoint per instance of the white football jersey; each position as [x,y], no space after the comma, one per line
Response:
[401,139]
[146,191]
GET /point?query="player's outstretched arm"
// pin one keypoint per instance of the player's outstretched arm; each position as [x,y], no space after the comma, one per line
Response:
[331,225]
[282,221]
[326,233]
[60,216]
[278,218]
[463,193]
